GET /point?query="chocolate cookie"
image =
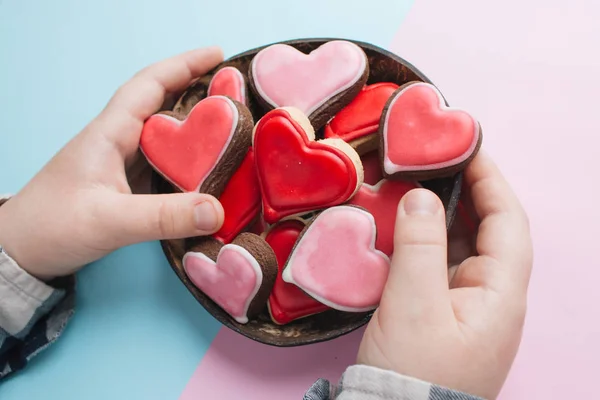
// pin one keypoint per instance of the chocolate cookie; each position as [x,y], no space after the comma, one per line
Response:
[319,84]
[238,277]
[422,138]
[202,151]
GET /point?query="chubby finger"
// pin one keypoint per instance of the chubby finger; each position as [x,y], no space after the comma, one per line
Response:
[121,122]
[145,93]
[419,266]
[504,235]
[141,218]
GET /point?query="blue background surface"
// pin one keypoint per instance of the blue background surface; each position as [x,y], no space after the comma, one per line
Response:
[137,332]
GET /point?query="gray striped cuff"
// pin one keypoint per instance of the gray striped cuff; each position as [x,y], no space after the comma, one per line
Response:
[24,299]
[370,383]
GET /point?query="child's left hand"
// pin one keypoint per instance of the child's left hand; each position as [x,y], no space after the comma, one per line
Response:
[81,205]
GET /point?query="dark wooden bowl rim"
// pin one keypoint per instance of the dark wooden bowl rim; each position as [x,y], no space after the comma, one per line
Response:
[331,324]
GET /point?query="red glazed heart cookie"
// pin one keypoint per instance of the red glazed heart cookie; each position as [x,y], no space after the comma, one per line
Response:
[201,152]
[229,82]
[240,200]
[422,138]
[382,200]
[288,303]
[298,174]
[319,84]
[238,276]
[335,260]
[358,122]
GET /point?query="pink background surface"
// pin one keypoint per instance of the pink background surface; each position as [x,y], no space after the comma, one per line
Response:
[530,72]
[235,367]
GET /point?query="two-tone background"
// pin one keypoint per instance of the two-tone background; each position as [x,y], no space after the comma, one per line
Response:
[530,71]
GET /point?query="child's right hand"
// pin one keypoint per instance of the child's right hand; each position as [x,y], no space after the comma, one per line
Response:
[465,336]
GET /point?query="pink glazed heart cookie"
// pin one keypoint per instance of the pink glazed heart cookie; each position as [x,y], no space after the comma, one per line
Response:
[201,152]
[319,84]
[422,138]
[238,277]
[230,82]
[335,260]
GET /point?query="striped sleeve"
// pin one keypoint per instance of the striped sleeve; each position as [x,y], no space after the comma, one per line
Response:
[370,383]
[33,314]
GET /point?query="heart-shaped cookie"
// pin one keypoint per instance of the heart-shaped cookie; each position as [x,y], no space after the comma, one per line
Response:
[240,200]
[298,174]
[382,200]
[288,303]
[358,122]
[335,260]
[238,276]
[201,152]
[319,84]
[422,138]
[371,167]
[230,82]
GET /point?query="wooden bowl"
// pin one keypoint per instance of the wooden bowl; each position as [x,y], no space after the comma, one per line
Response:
[384,67]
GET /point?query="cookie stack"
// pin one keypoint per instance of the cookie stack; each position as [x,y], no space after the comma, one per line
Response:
[309,157]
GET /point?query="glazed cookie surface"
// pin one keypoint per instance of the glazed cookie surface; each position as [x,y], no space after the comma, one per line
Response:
[237,276]
[422,138]
[319,84]
[200,152]
[298,174]
[287,302]
[240,200]
[335,260]
[229,82]
[358,122]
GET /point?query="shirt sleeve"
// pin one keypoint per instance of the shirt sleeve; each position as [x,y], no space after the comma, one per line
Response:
[370,383]
[33,314]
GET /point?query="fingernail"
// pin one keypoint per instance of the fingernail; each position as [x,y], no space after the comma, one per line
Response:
[206,216]
[420,202]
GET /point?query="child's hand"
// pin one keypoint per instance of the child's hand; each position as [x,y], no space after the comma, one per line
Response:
[465,337]
[80,206]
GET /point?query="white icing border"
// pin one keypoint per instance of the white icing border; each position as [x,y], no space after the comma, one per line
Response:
[236,117]
[377,187]
[298,116]
[288,274]
[390,168]
[241,79]
[351,83]
[242,319]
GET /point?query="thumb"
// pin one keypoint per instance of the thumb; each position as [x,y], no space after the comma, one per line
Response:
[418,273]
[166,216]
